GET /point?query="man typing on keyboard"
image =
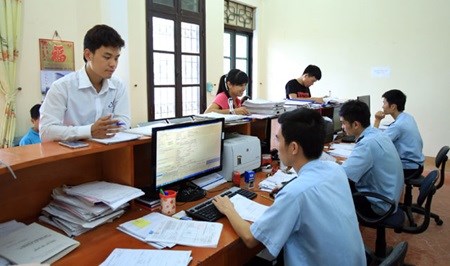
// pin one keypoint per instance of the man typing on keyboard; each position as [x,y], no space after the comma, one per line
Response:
[313,218]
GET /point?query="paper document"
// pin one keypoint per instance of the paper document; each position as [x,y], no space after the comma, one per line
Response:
[248,209]
[145,257]
[227,117]
[113,195]
[119,137]
[209,181]
[276,180]
[188,233]
[145,130]
[341,149]
[141,227]
[35,243]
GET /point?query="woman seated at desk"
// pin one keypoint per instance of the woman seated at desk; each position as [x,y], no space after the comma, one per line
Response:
[231,86]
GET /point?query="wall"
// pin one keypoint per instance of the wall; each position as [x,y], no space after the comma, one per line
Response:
[345,38]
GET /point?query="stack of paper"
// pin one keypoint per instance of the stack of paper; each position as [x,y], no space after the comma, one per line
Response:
[118,137]
[144,257]
[145,130]
[276,180]
[162,231]
[35,244]
[341,149]
[264,107]
[78,209]
[227,117]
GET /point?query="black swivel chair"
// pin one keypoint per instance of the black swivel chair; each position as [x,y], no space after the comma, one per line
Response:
[397,256]
[416,180]
[395,219]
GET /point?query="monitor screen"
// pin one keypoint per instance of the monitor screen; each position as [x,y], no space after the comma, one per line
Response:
[336,119]
[365,99]
[185,151]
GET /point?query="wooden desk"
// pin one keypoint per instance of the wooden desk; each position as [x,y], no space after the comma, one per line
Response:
[42,167]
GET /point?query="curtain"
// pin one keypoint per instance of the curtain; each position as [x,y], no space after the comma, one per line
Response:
[10,25]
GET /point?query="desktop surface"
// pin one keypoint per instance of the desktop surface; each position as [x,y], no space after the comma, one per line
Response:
[96,245]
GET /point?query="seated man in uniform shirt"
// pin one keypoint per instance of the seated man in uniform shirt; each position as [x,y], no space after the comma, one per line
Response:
[374,164]
[403,131]
[306,213]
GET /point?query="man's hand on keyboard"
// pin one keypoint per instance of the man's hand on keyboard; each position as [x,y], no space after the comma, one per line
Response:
[223,204]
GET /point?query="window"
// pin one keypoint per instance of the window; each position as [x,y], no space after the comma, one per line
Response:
[238,34]
[176,69]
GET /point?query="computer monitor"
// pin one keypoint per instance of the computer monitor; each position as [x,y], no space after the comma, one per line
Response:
[365,99]
[186,151]
[336,118]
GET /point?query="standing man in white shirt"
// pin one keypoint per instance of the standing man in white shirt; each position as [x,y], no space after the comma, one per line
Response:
[88,103]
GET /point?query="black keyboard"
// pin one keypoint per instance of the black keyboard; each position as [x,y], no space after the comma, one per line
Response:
[206,211]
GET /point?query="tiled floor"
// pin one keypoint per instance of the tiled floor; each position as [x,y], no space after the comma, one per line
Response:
[431,247]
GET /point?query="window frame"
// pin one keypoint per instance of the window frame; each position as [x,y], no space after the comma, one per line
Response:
[178,16]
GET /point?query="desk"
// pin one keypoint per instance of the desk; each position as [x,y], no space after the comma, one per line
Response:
[42,167]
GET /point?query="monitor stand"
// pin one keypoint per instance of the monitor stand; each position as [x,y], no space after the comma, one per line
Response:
[189,191]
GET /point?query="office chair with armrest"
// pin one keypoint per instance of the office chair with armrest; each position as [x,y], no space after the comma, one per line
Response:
[397,256]
[390,219]
[411,180]
[395,220]
[422,208]
[416,180]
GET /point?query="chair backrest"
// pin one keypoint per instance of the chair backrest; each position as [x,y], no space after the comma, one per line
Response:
[426,192]
[397,256]
[440,161]
[427,187]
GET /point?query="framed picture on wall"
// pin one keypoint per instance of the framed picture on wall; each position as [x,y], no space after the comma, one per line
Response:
[56,54]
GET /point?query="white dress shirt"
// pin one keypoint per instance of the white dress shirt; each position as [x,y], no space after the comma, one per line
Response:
[72,105]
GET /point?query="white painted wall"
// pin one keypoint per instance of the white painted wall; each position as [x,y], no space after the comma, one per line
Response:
[345,38]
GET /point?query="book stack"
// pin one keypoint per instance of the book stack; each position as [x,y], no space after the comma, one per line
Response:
[264,107]
[78,209]
[151,203]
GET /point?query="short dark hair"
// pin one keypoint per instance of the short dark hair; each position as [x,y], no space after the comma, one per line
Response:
[34,111]
[313,71]
[235,77]
[396,97]
[355,110]
[306,127]
[102,35]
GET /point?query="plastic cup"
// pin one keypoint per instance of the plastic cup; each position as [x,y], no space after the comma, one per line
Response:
[168,202]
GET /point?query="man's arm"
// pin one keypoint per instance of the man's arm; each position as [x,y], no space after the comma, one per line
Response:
[51,125]
[242,227]
[378,117]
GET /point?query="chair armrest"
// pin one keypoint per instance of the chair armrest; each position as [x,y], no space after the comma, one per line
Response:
[372,220]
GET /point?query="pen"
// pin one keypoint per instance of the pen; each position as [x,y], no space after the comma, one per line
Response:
[162,192]
[264,196]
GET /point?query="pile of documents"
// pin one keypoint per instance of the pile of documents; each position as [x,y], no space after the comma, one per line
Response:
[163,231]
[81,208]
[264,107]
[276,180]
[145,257]
[341,149]
[34,243]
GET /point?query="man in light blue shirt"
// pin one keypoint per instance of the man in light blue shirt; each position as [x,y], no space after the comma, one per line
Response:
[374,164]
[313,218]
[403,131]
